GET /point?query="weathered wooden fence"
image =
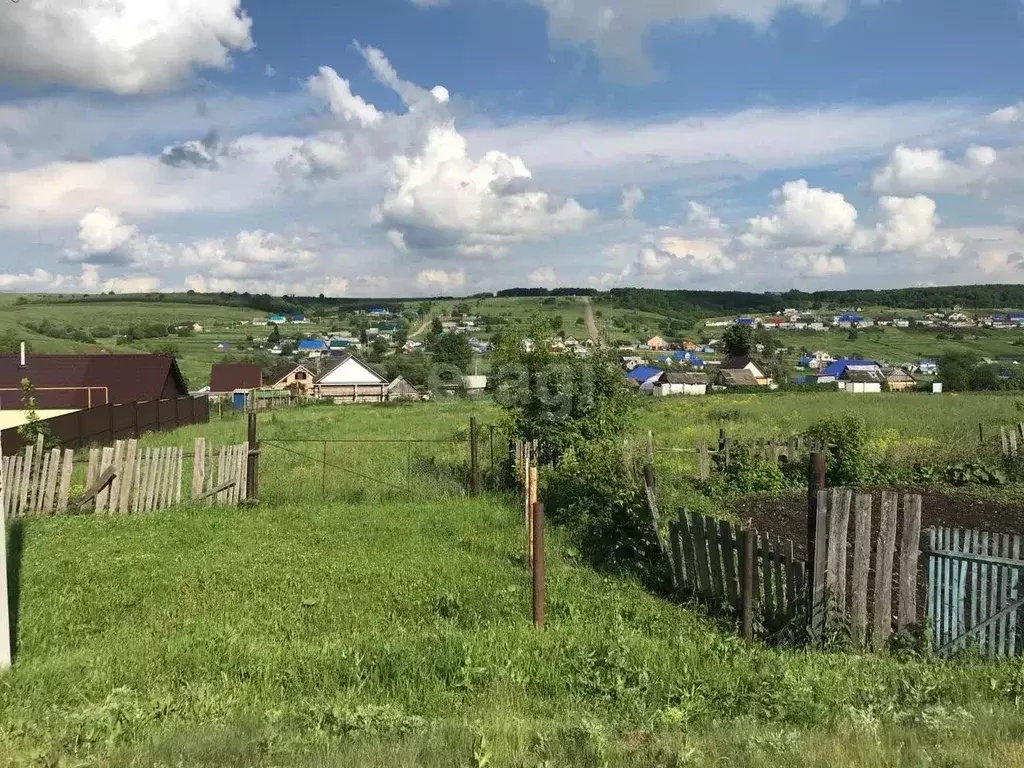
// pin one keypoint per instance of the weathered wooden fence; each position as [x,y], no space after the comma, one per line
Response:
[709,565]
[1010,438]
[37,481]
[794,448]
[973,597]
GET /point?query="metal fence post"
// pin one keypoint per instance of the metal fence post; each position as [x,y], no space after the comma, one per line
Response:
[474,465]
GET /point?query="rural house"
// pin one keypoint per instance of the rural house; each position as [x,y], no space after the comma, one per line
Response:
[65,383]
[656,343]
[299,380]
[400,389]
[351,381]
[861,380]
[312,348]
[898,379]
[225,378]
[834,371]
[746,364]
[741,377]
[681,384]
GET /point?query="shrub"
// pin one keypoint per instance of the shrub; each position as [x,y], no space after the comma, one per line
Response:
[597,495]
[749,471]
[849,456]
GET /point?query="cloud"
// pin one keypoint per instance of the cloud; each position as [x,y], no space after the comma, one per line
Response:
[88,281]
[204,153]
[910,171]
[817,266]
[803,215]
[615,30]
[1008,115]
[543,276]
[907,225]
[631,198]
[118,45]
[578,156]
[439,280]
[701,217]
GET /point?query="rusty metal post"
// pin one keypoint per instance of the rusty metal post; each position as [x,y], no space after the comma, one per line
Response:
[749,576]
[252,461]
[815,483]
[474,463]
[538,564]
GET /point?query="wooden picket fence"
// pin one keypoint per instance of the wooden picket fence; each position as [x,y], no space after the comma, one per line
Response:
[1010,438]
[37,481]
[840,583]
[147,479]
[973,592]
[708,565]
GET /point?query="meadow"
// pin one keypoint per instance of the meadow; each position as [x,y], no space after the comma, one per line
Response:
[394,630]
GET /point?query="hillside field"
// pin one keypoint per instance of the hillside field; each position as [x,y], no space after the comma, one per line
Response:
[396,632]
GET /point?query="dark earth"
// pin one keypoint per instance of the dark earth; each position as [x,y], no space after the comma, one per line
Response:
[785,514]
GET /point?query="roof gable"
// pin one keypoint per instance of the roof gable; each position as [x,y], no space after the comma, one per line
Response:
[295,370]
[350,371]
[226,377]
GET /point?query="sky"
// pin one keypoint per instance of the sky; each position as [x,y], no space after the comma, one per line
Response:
[448,147]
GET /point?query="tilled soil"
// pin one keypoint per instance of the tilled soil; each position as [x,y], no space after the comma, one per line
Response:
[785,514]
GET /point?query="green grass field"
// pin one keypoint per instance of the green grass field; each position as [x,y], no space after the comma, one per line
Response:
[383,630]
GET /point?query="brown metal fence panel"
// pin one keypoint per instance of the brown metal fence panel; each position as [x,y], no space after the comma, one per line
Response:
[104,424]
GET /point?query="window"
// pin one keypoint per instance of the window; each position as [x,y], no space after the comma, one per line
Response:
[300,375]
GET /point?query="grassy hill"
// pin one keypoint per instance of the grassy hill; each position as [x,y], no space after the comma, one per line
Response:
[395,632]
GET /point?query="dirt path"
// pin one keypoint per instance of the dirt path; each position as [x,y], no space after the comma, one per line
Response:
[421,328]
[591,321]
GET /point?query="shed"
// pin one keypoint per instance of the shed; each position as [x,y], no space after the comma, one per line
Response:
[861,381]
[741,377]
[351,381]
[400,389]
[227,377]
[682,384]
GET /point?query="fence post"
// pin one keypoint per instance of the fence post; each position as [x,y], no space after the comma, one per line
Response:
[749,576]
[491,443]
[538,564]
[252,461]
[815,483]
[474,464]
[5,610]
[135,420]
[723,457]
[110,421]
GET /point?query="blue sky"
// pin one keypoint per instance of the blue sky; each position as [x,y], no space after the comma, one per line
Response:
[423,147]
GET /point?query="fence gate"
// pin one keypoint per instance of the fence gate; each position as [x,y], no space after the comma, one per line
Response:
[973,597]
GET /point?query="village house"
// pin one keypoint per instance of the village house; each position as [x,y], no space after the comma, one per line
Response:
[350,381]
[400,389]
[656,343]
[312,348]
[746,364]
[66,383]
[860,380]
[897,379]
[226,378]
[732,378]
[299,380]
[672,383]
[277,319]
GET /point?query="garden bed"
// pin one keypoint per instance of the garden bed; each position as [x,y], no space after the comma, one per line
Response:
[785,514]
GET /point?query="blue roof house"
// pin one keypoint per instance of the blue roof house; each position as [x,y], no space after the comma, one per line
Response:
[642,373]
[277,319]
[744,321]
[298,318]
[1017,317]
[379,311]
[312,345]
[805,361]
[849,318]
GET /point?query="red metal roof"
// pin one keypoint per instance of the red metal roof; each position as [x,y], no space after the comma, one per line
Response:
[227,377]
[83,381]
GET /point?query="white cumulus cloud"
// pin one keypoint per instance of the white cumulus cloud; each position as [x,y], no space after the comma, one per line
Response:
[123,46]
[803,215]
[631,197]
[439,280]
[817,265]
[907,225]
[543,276]
[910,171]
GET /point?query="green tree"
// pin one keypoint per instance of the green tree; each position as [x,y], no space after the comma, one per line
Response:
[738,341]
[274,337]
[957,370]
[452,349]
[435,327]
[563,401]
[34,425]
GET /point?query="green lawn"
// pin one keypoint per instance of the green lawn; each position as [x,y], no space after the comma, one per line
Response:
[399,636]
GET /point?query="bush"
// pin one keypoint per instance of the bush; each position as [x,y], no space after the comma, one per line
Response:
[749,471]
[849,456]
[597,495]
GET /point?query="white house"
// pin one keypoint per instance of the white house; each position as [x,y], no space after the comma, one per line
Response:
[861,380]
[351,381]
[680,384]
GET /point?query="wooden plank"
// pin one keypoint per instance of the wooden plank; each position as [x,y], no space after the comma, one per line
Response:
[909,550]
[839,523]
[993,602]
[984,587]
[715,559]
[959,612]
[64,490]
[127,471]
[115,487]
[199,467]
[221,473]
[884,553]
[1013,596]
[14,509]
[102,484]
[779,571]
[818,576]
[701,549]
[1002,650]
[861,566]
[763,551]
[677,553]
[1013,442]
[177,484]
[729,545]
[139,483]
[36,488]
[26,480]
[93,470]
[791,448]
[151,473]
[704,461]
[689,553]
[52,475]
[932,585]
[161,485]
[106,462]
[791,583]
[218,489]
[5,487]
[1004,441]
